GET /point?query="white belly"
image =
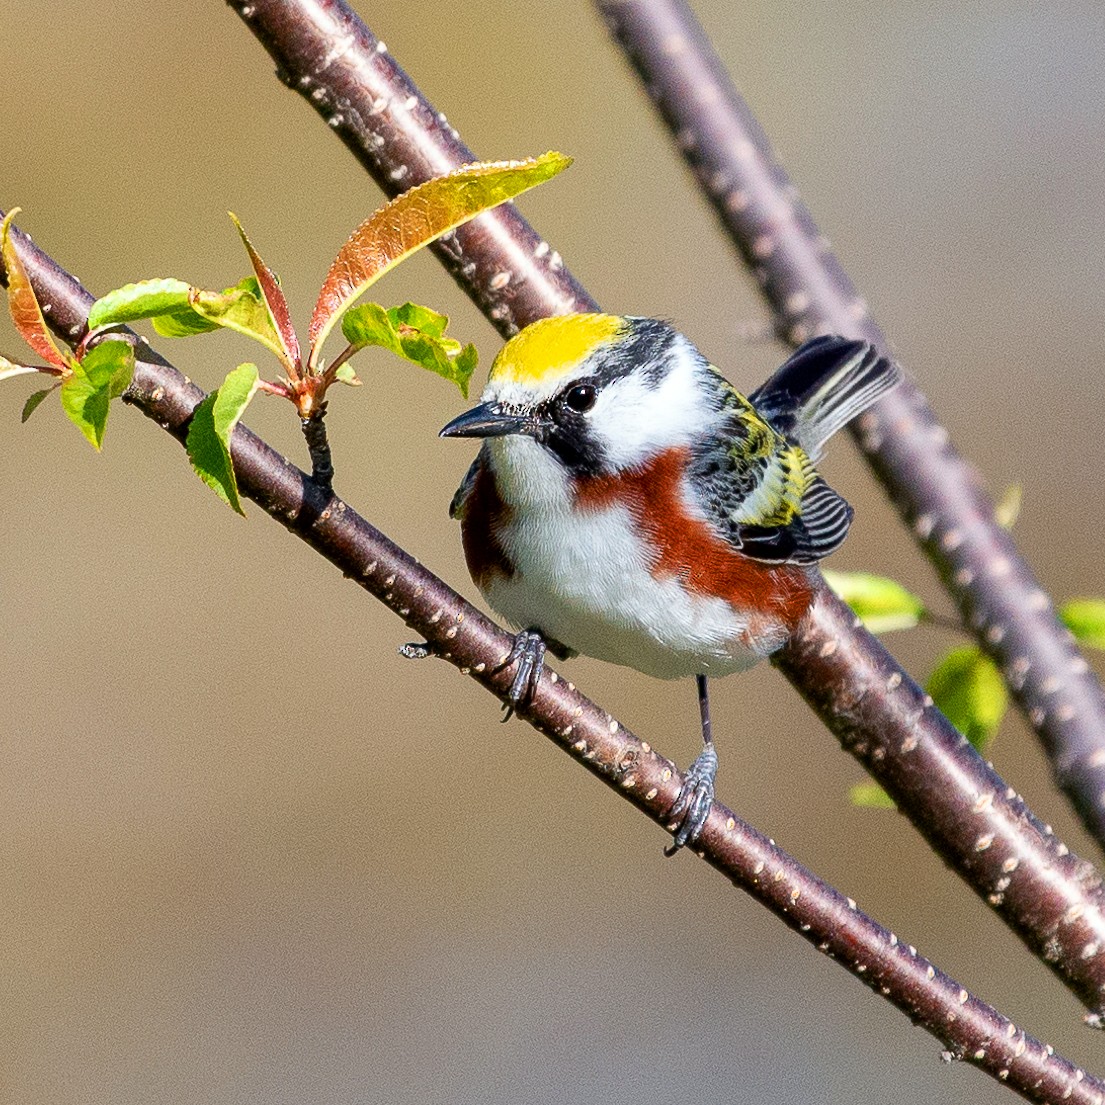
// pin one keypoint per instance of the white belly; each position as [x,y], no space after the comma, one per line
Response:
[585,582]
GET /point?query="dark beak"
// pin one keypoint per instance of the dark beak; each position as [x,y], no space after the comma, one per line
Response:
[486,420]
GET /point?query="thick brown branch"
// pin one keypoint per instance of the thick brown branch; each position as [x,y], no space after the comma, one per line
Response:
[968,1027]
[939,494]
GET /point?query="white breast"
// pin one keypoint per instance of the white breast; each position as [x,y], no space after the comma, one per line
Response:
[582,577]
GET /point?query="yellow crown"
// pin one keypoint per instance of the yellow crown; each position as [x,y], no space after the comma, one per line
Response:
[552,348]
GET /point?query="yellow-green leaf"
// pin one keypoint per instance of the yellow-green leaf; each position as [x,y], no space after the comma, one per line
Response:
[967,687]
[208,441]
[241,308]
[415,333]
[102,375]
[413,220]
[870,796]
[1008,507]
[883,604]
[133,302]
[1085,618]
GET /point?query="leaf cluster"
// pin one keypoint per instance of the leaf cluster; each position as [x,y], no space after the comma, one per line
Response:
[101,368]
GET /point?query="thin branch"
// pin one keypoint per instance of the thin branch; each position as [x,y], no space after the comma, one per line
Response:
[325,52]
[939,494]
[969,1028]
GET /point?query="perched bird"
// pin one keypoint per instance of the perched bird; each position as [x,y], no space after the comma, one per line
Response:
[630,504]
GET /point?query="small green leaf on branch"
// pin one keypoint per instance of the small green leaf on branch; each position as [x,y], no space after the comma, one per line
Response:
[415,333]
[883,604]
[1008,507]
[969,690]
[208,441]
[133,302]
[1085,618]
[33,401]
[870,796]
[86,394]
[179,310]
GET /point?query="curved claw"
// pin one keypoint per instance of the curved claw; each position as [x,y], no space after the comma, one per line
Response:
[691,807]
[528,652]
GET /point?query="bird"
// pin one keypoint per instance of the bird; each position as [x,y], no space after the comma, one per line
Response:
[628,503]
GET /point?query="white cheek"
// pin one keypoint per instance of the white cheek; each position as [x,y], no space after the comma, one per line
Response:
[635,418]
[529,477]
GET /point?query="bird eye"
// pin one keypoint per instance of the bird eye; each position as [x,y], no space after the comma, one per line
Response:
[581,398]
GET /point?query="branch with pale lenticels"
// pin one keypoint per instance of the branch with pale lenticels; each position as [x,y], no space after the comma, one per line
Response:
[939,494]
[969,1028]
[1050,898]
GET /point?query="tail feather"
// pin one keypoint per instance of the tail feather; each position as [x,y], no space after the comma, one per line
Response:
[823,385]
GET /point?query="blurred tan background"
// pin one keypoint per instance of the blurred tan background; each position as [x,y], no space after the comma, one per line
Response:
[243,853]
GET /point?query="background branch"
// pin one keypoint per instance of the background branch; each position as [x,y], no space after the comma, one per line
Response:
[941,496]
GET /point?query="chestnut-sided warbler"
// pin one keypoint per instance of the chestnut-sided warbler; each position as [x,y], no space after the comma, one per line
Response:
[630,504]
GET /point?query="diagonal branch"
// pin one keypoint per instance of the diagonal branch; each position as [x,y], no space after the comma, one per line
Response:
[969,1028]
[327,53]
[939,494]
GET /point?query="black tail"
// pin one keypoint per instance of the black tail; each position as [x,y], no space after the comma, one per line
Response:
[823,385]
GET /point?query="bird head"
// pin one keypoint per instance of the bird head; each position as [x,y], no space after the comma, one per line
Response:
[592,394]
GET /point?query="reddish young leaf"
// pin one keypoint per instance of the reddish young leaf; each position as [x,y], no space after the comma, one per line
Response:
[415,219]
[25,311]
[275,302]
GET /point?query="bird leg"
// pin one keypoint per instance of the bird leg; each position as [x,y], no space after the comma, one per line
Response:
[528,652]
[692,804]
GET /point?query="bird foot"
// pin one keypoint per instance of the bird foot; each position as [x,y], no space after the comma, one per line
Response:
[528,652]
[691,808]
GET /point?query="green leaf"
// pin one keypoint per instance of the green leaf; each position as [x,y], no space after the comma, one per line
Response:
[421,318]
[1085,618]
[184,323]
[241,308]
[870,796]
[1008,507]
[179,310]
[33,401]
[208,441]
[415,219]
[346,375]
[967,687]
[101,376]
[883,604]
[414,333]
[146,299]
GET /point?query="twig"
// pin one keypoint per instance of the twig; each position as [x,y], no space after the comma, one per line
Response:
[382,121]
[939,494]
[318,447]
[969,1028]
